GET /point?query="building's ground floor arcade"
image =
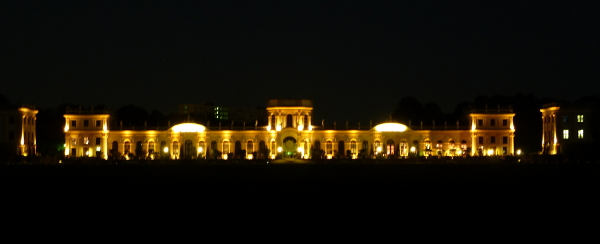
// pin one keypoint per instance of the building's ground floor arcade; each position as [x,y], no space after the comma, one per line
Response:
[193,141]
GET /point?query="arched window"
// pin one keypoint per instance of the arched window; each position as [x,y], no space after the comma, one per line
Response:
[427,144]
[439,144]
[127,148]
[451,144]
[151,147]
[139,148]
[353,148]
[329,147]
[225,147]
[175,147]
[201,147]
[365,145]
[403,148]
[249,147]
[463,145]
[317,145]
[390,147]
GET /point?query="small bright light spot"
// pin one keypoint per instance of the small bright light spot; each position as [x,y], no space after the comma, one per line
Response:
[329,156]
[518,151]
[249,156]
[413,149]
[279,149]
[98,149]
[490,152]
[278,128]
[166,149]
[378,149]
[225,156]
[200,149]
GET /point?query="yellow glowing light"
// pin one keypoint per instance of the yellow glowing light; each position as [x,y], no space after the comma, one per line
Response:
[87,153]
[390,127]
[188,127]
[490,152]
[22,140]
[459,152]
[519,152]
[300,127]
[98,149]
[166,150]
[278,128]
[272,156]
[413,149]
[300,149]
[268,127]
[200,149]
[225,156]
[249,156]
[66,127]
[279,149]
[329,156]
[378,149]
[310,127]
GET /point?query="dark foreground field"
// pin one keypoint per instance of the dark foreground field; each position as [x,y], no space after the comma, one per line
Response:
[293,186]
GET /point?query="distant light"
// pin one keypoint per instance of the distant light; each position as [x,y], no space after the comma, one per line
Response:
[413,149]
[519,152]
[279,149]
[390,127]
[166,150]
[98,149]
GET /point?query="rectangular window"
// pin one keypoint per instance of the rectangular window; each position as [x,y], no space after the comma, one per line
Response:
[566,118]
[86,123]
[493,139]
[97,140]
[580,118]
[505,140]
[565,134]
[73,123]
[580,134]
[98,123]
[493,122]
[479,122]
[481,140]
[504,122]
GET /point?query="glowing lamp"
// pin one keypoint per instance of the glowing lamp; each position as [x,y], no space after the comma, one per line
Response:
[98,149]
[413,149]
[166,149]
[279,149]
[200,149]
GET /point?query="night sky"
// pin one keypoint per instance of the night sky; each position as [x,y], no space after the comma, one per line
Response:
[356,59]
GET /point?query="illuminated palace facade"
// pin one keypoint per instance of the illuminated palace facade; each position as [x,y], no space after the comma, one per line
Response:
[289,132]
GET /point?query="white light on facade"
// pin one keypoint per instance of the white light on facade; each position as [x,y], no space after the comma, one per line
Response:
[188,127]
[390,127]
[279,149]
[166,149]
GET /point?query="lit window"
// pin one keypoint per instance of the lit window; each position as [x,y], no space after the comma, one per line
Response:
[565,134]
[580,118]
[580,134]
